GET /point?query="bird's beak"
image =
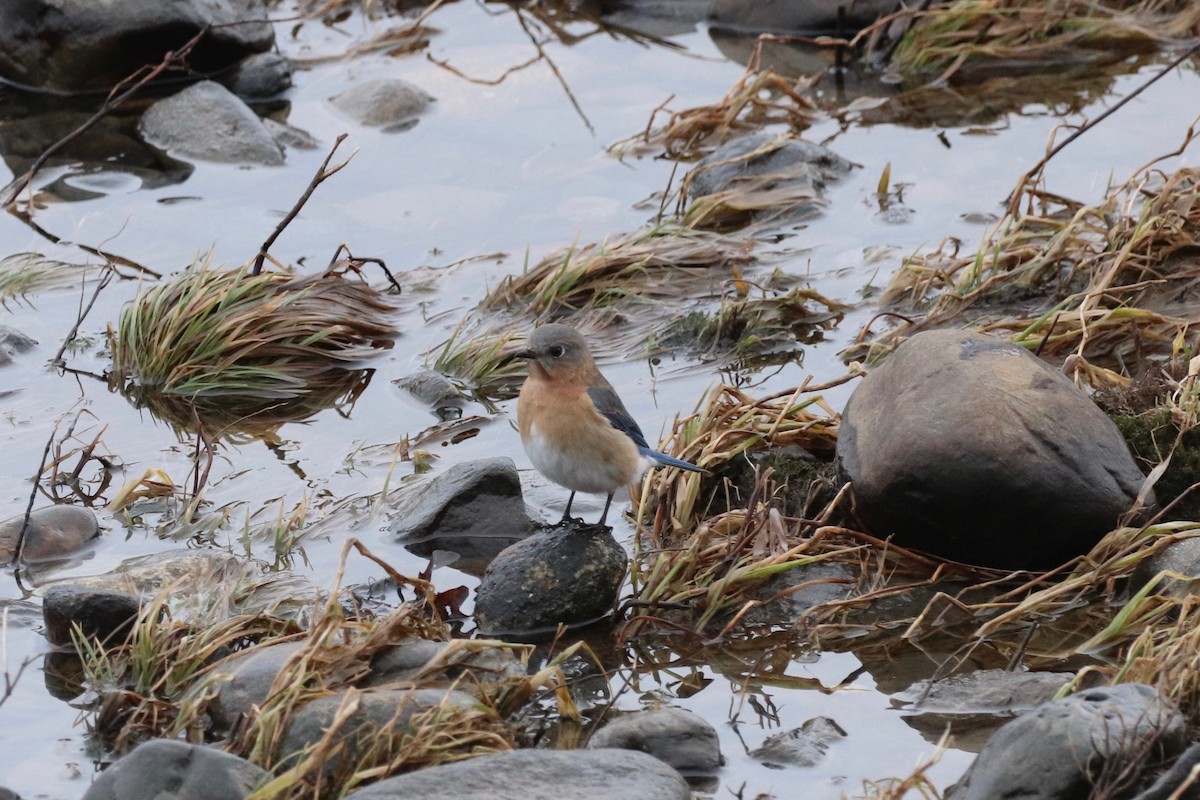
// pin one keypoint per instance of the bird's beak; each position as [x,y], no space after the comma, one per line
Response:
[525,354]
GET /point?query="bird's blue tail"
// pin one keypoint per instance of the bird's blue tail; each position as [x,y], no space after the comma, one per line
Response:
[669,461]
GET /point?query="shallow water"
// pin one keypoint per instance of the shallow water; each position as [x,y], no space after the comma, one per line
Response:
[493,177]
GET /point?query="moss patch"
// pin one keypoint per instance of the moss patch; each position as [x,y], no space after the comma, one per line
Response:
[1150,436]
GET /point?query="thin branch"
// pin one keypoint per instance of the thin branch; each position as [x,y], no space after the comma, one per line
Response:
[70,337]
[324,172]
[554,69]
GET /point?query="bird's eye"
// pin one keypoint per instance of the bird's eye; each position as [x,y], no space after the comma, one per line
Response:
[557,351]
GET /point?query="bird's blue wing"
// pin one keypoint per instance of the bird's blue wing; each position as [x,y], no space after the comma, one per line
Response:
[605,398]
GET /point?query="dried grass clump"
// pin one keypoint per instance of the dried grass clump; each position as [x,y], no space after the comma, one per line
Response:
[756,100]
[217,332]
[1114,283]
[944,38]
[23,274]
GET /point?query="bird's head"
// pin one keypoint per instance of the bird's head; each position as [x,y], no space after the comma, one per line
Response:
[558,352]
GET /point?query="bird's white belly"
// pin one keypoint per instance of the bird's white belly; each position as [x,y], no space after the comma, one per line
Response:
[579,474]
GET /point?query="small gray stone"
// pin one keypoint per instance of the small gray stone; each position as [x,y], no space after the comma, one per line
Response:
[53,532]
[12,341]
[262,75]
[251,673]
[568,575]
[386,102]
[539,775]
[971,448]
[410,659]
[1062,748]
[471,507]
[206,121]
[805,746]
[8,794]
[379,712]
[1181,557]
[678,737]
[291,136]
[791,17]
[166,769]
[434,390]
[100,614]
[782,157]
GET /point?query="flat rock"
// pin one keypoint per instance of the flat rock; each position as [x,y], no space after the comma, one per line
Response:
[788,16]
[208,122]
[970,448]
[100,614]
[79,45]
[675,736]
[1062,749]
[53,532]
[165,769]
[383,103]
[568,575]
[805,746]
[475,509]
[250,676]
[766,156]
[539,775]
[474,666]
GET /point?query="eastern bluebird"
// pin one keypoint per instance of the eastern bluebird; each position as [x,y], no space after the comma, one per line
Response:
[573,425]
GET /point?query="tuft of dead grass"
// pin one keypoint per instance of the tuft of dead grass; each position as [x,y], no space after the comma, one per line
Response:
[214,332]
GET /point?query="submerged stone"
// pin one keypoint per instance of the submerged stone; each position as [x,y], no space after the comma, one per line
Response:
[1062,749]
[383,103]
[805,746]
[53,532]
[568,575]
[539,775]
[788,16]
[781,160]
[971,448]
[678,737]
[166,769]
[210,123]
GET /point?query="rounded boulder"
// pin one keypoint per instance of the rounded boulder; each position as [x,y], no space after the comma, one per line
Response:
[970,448]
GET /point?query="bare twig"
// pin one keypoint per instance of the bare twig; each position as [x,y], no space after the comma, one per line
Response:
[554,69]
[324,172]
[19,550]
[70,337]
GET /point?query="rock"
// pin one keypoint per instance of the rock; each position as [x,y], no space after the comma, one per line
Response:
[1061,749]
[165,769]
[63,674]
[781,158]
[261,76]
[678,737]
[1169,784]
[800,747]
[208,122]
[251,673]
[8,794]
[104,615]
[53,532]
[790,17]
[788,596]
[434,390]
[290,136]
[386,103]
[660,18]
[539,775]
[1181,557]
[410,658]
[474,509]
[974,704]
[78,45]
[383,711]
[569,575]
[970,448]
[13,342]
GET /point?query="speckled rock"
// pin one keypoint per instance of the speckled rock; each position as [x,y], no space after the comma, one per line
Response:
[970,448]
[678,737]
[54,532]
[165,769]
[568,575]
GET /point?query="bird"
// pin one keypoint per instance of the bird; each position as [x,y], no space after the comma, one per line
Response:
[573,425]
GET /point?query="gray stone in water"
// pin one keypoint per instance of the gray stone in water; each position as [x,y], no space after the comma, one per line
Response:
[434,390]
[662,18]
[261,76]
[789,16]
[1169,785]
[569,575]
[8,794]
[1062,748]
[787,596]
[792,161]
[165,769]
[251,674]
[75,45]
[53,532]
[970,448]
[678,737]
[539,775]
[475,509]
[104,615]
[410,658]
[208,122]
[1181,557]
[386,102]
[379,711]
[291,136]
[13,342]
[805,746]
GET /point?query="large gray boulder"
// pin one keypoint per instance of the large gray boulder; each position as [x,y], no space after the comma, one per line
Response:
[971,448]
[165,769]
[1061,750]
[208,122]
[72,45]
[789,16]
[539,775]
[673,735]
[52,532]
[567,575]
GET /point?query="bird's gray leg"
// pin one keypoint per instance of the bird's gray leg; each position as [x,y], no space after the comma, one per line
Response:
[604,516]
[567,513]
